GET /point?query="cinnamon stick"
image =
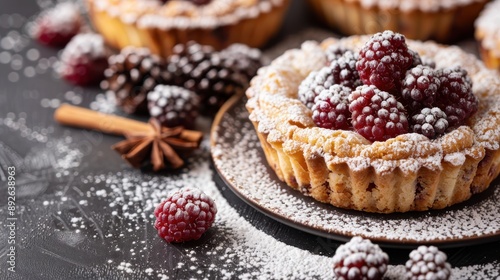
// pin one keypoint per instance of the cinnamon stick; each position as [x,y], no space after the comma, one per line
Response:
[85,118]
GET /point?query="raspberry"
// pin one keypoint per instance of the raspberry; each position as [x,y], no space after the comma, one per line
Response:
[420,87]
[419,60]
[429,122]
[344,70]
[56,26]
[455,95]
[383,61]
[427,263]
[84,60]
[376,114]
[314,84]
[173,106]
[360,259]
[185,215]
[331,108]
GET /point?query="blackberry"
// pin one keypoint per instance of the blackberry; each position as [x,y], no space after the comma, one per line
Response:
[344,70]
[455,96]
[84,60]
[376,114]
[185,215]
[214,76]
[131,74]
[314,84]
[360,259]
[427,263]
[331,108]
[429,122]
[334,52]
[383,61]
[420,87]
[173,106]
[243,58]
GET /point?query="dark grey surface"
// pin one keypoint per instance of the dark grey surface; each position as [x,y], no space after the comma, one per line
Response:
[41,253]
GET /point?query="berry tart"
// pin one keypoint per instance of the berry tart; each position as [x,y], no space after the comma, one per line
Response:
[441,20]
[399,136]
[488,35]
[161,24]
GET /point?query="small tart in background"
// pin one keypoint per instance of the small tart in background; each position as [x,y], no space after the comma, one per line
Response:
[488,34]
[160,25]
[440,20]
[407,173]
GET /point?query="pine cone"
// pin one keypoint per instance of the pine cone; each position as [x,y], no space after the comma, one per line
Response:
[130,76]
[214,76]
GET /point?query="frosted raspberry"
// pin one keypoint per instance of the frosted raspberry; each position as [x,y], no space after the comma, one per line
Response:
[331,108]
[56,26]
[314,84]
[359,259]
[185,215]
[427,263]
[84,60]
[455,96]
[420,87]
[383,61]
[429,122]
[376,114]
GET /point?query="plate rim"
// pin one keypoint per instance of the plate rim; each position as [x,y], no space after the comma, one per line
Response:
[315,230]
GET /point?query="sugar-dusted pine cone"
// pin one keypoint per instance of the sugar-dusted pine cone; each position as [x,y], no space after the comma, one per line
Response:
[214,76]
[130,76]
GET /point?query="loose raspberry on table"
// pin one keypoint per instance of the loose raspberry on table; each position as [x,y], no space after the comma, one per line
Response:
[84,60]
[173,106]
[455,96]
[420,87]
[360,259]
[431,122]
[185,215]
[376,114]
[427,263]
[383,61]
[314,84]
[344,70]
[56,26]
[331,108]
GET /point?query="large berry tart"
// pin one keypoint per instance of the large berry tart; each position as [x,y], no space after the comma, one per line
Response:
[379,124]
[441,20]
[161,24]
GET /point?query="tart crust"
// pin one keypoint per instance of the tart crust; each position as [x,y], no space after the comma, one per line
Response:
[406,173]
[159,27]
[440,20]
[487,33]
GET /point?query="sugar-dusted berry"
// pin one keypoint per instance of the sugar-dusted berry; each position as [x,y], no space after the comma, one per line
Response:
[427,263]
[173,106]
[431,122]
[376,114]
[359,259]
[420,87]
[455,95]
[383,61]
[331,108]
[185,215]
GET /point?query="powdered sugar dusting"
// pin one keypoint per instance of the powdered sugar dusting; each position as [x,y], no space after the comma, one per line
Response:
[488,27]
[238,155]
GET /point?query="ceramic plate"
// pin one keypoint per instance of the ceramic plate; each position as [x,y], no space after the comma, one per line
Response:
[241,164]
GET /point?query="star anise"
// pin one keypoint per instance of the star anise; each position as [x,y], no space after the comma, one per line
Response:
[159,145]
